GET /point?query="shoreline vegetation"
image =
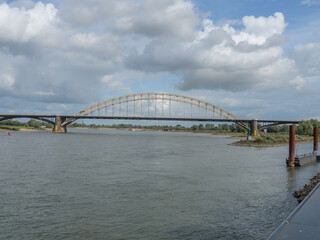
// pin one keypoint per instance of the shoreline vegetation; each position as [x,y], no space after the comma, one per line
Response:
[275,136]
[271,140]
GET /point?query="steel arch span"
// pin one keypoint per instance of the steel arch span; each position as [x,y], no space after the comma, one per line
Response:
[160,106]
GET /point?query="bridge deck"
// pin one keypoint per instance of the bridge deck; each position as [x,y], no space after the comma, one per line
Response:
[303,222]
[150,118]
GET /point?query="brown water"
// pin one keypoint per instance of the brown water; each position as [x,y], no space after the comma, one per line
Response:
[105,184]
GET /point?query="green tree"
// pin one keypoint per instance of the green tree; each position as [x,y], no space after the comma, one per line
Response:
[306,127]
[33,123]
[225,127]
[209,126]
[194,128]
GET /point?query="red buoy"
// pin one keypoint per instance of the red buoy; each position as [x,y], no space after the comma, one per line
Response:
[9,134]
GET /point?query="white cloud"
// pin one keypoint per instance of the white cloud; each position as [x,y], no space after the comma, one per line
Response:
[308,58]
[115,84]
[222,57]
[21,25]
[88,13]
[41,93]
[73,51]
[160,18]
[309,3]
[22,3]
[231,102]
[265,26]
[299,83]
[6,81]
[101,46]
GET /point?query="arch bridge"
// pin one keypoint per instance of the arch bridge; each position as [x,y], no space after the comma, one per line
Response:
[152,106]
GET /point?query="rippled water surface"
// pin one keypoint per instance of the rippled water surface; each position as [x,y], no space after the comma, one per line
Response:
[105,184]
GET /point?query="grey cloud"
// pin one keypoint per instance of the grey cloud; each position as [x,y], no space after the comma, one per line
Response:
[54,79]
[308,58]
[87,46]
[92,12]
[55,64]
[223,58]
[22,3]
[104,47]
[215,37]
[160,55]
[273,41]
[218,80]
[160,18]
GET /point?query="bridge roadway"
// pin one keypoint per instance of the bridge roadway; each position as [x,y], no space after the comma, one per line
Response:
[61,121]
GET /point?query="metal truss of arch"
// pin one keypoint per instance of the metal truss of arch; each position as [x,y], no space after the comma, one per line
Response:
[121,105]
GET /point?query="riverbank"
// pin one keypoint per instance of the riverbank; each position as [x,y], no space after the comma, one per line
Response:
[271,140]
[266,140]
[23,129]
[250,143]
[303,193]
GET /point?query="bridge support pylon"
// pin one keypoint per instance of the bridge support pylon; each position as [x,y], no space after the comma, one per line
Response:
[253,128]
[291,159]
[315,139]
[58,128]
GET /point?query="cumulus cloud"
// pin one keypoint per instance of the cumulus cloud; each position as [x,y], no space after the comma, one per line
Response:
[222,57]
[49,62]
[165,18]
[6,81]
[22,25]
[310,2]
[264,26]
[89,13]
[115,83]
[27,4]
[68,53]
[308,58]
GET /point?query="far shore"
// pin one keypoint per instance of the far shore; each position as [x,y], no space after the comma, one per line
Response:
[262,145]
[241,139]
[35,130]
[26,130]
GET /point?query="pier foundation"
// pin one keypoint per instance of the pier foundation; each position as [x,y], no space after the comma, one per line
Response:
[292,132]
[253,129]
[58,128]
[315,139]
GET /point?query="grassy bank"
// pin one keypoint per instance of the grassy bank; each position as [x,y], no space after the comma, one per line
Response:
[272,140]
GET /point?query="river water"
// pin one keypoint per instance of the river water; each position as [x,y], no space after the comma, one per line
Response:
[109,184]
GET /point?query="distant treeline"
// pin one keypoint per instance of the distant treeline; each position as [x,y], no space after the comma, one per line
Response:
[31,123]
[178,127]
[304,128]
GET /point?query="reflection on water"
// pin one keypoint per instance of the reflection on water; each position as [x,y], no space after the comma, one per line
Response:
[105,184]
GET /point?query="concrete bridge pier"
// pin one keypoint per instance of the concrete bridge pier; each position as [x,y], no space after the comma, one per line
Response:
[315,139]
[253,128]
[292,157]
[57,125]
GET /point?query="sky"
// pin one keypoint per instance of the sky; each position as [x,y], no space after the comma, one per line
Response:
[257,59]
